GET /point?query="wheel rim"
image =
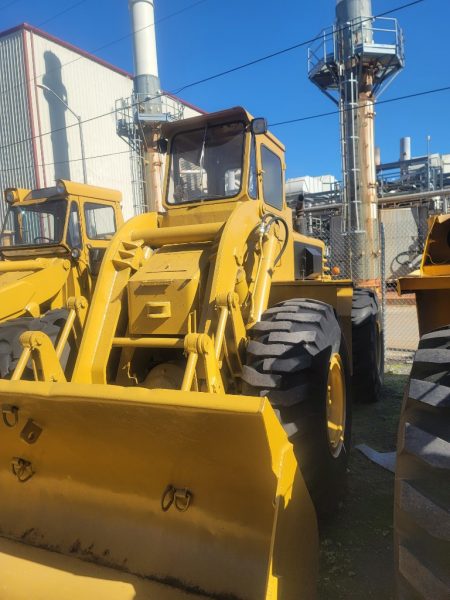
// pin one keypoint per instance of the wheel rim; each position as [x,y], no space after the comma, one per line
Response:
[336,405]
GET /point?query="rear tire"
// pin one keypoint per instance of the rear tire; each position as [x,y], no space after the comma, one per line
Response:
[422,480]
[367,347]
[297,358]
[51,324]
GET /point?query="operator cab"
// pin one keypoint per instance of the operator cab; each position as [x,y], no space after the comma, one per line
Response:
[222,157]
[67,218]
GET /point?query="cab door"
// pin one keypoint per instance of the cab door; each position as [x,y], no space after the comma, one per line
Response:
[100,225]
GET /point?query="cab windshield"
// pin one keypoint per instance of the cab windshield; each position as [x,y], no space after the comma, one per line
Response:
[34,224]
[206,164]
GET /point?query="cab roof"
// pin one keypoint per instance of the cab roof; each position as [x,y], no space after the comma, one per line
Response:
[71,188]
[224,116]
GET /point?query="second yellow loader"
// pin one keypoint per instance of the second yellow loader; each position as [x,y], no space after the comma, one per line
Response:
[51,246]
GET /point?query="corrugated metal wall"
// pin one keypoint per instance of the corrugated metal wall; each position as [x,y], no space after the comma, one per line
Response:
[89,89]
[16,159]
[52,151]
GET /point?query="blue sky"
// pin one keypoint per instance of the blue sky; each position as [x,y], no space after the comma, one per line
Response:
[216,35]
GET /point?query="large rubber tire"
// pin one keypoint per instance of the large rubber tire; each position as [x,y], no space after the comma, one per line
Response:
[422,480]
[288,360]
[367,347]
[10,331]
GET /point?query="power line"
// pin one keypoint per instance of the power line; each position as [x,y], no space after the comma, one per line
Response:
[177,91]
[62,12]
[289,49]
[388,101]
[99,48]
[8,4]
[65,162]
[227,71]
[161,20]
[66,127]
[279,123]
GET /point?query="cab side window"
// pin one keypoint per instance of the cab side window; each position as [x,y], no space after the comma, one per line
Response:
[253,174]
[100,221]
[273,178]
[73,229]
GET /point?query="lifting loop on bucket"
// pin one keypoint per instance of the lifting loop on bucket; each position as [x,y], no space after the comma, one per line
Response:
[10,415]
[179,497]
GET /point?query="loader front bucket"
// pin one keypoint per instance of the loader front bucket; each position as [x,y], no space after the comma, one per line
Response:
[169,494]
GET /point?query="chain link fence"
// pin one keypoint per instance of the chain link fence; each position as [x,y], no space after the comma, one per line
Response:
[403,233]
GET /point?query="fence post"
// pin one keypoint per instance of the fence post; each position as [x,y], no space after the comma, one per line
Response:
[383,286]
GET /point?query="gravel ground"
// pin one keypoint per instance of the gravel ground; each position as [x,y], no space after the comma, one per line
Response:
[357,546]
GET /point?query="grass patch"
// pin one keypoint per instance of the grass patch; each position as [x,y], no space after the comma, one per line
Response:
[356,558]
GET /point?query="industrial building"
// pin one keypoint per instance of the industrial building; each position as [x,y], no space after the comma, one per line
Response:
[59,116]
[409,191]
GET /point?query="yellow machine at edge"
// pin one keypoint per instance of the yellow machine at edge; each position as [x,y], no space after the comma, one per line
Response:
[422,499]
[210,399]
[51,246]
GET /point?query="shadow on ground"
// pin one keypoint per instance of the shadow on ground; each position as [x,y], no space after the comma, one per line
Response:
[357,546]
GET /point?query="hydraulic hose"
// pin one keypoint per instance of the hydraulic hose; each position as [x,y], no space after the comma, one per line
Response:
[271,219]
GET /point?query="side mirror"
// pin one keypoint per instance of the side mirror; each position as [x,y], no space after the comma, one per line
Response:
[75,253]
[161,146]
[259,126]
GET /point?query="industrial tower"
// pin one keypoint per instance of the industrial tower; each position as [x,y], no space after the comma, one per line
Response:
[355,60]
[140,117]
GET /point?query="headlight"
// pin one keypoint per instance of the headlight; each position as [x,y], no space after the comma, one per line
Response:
[10,196]
[60,187]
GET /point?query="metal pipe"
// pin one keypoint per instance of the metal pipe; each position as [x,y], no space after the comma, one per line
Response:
[21,364]
[416,196]
[349,10]
[179,234]
[220,333]
[264,278]
[65,332]
[383,286]
[148,342]
[147,90]
[377,156]
[405,148]
[144,46]
[189,374]
[386,200]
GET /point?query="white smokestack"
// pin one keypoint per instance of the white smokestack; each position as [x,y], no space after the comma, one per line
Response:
[377,156]
[144,45]
[348,10]
[405,148]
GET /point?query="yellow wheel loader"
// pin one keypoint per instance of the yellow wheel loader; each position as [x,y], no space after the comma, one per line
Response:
[51,246]
[212,382]
[422,480]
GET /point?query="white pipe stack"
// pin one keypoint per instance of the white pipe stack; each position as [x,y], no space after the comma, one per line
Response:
[146,79]
[405,148]
[348,10]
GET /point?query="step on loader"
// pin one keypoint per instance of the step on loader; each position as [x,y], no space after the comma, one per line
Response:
[209,402]
[422,479]
[51,246]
